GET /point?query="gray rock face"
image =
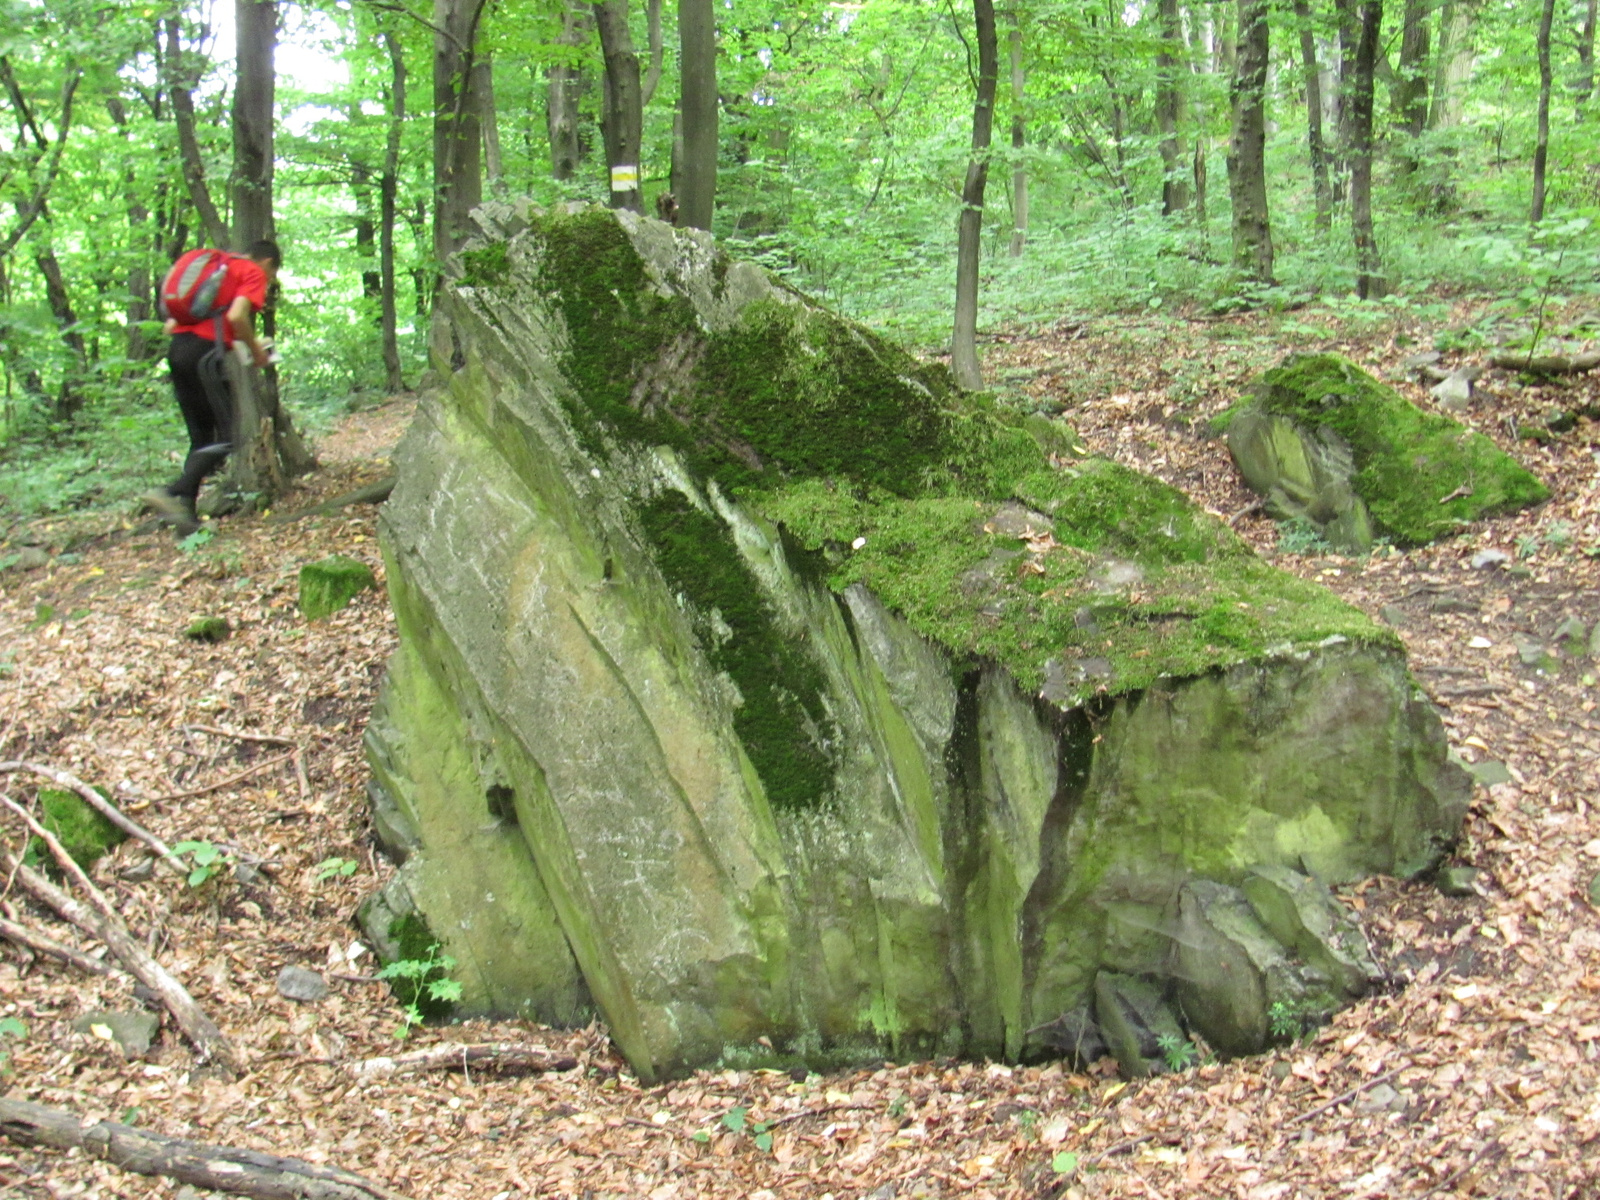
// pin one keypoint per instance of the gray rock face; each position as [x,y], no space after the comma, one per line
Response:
[301,985]
[743,691]
[134,1032]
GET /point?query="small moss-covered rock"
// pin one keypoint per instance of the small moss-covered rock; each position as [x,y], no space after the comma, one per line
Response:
[1139,1028]
[209,629]
[1325,441]
[327,586]
[82,830]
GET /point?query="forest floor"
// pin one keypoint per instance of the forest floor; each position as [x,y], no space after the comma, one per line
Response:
[1476,1073]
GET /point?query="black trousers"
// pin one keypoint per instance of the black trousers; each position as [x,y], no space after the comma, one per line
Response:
[207,407]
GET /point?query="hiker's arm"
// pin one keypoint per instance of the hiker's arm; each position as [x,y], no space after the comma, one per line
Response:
[241,315]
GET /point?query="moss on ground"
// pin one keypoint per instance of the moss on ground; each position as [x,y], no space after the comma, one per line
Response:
[82,830]
[1407,461]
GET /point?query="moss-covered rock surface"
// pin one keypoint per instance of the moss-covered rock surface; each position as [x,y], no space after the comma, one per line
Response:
[1325,442]
[767,695]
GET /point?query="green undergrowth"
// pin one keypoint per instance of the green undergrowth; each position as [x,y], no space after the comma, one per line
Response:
[85,833]
[1422,475]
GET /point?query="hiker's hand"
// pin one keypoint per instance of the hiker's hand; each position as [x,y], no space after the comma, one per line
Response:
[260,356]
[169,326]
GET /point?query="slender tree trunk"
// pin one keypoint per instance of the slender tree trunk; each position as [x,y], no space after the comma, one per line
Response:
[1247,147]
[457,134]
[253,101]
[1409,98]
[566,84]
[1201,58]
[489,121]
[136,346]
[1019,141]
[1369,269]
[1171,75]
[1541,145]
[69,396]
[697,33]
[1458,21]
[623,123]
[1321,187]
[964,343]
[388,193]
[652,74]
[194,170]
[1349,19]
[1583,81]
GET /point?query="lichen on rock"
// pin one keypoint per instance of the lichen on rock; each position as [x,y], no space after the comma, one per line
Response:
[763,691]
[1325,442]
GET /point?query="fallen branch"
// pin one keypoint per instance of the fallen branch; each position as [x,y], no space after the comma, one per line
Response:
[41,942]
[210,1041]
[1346,1097]
[497,1056]
[105,808]
[270,739]
[219,1168]
[1546,364]
[373,493]
[222,783]
[1450,1180]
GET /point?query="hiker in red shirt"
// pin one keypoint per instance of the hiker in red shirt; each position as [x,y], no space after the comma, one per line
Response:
[207,294]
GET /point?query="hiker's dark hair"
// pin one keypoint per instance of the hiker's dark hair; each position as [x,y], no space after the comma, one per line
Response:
[266,250]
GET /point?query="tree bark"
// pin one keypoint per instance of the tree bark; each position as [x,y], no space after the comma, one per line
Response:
[194,170]
[566,84]
[216,1168]
[253,100]
[697,34]
[1458,21]
[1349,20]
[136,346]
[1019,141]
[964,342]
[1369,269]
[657,50]
[457,135]
[489,121]
[1170,110]
[623,123]
[1247,165]
[1321,186]
[1411,90]
[1583,80]
[1541,145]
[388,194]
[69,393]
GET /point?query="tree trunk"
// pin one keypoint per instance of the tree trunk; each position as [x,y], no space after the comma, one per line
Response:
[1247,164]
[136,346]
[1170,110]
[652,74]
[1320,184]
[1541,145]
[253,96]
[1583,81]
[1349,20]
[623,123]
[1458,21]
[1019,141]
[566,84]
[964,343]
[1411,93]
[488,119]
[697,33]
[69,395]
[457,135]
[1369,269]
[194,170]
[388,192]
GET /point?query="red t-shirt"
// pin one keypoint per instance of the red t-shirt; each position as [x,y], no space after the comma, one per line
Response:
[243,278]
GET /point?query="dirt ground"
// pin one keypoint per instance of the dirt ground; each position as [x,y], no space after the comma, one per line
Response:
[1473,1074]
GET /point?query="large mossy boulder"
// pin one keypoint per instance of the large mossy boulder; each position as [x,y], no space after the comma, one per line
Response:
[760,690]
[1328,444]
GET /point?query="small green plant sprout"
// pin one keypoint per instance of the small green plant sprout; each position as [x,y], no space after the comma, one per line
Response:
[205,858]
[1528,545]
[1178,1052]
[1064,1162]
[1291,1020]
[335,868]
[1559,535]
[1028,1124]
[898,1106]
[197,539]
[1300,536]
[10,1027]
[426,981]
[736,1121]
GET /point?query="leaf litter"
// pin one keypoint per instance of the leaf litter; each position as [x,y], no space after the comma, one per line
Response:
[1474,1073]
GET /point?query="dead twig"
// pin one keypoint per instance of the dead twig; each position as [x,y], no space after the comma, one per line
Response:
[211,1042]
[222,783]
[499,1056]
[104,807]
[1254,506]
[219,1168]
[1449,1181]
[1121,1148]
[41,942]
[1346,1097]
[816,1112]
[240,735]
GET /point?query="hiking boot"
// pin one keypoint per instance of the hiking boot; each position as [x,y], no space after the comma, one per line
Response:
[176,511]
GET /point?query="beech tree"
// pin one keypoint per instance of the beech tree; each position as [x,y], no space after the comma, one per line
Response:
[1247,161]
[964,344]
[697,32]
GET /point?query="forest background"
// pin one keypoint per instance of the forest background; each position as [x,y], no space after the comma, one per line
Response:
[1149,160]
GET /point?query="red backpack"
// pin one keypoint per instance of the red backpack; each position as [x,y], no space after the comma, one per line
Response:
[190,292]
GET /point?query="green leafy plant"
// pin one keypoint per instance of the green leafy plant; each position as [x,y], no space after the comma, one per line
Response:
[205,858]
[1291,1020]
[10,1027]
[335,868]
[1178,1052]
[1300,536]
[736,1121]
[1064,1162]
[426,982]
[193,543]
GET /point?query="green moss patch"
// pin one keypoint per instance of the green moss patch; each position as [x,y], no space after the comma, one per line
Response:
[1421,475]
[329,585]
[781,718]
[83,830]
